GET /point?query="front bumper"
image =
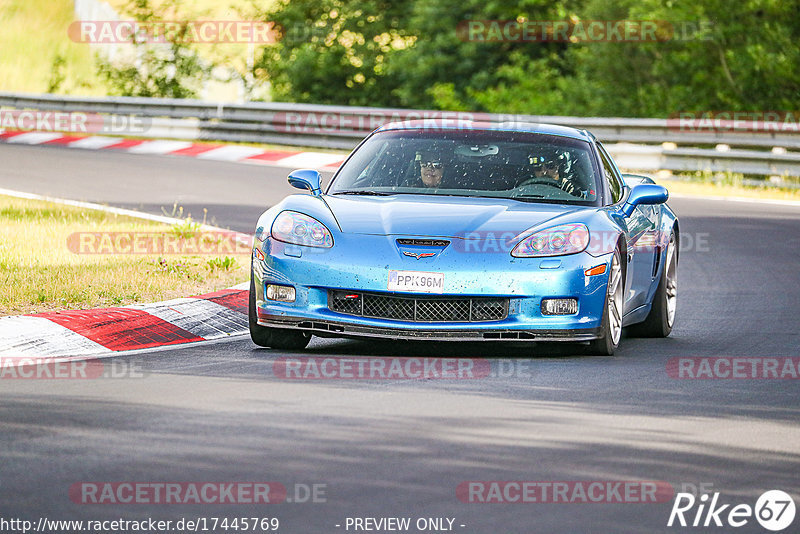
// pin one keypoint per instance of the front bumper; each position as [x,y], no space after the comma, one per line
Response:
[524,281]
[343,329]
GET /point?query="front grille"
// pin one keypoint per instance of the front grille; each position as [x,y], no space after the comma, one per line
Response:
[419,309]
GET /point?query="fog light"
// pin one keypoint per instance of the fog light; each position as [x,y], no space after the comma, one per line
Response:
[280,293]
[559,306]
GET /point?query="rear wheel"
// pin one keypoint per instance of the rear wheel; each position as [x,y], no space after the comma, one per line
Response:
[662,315]
[275,338]
[611,333]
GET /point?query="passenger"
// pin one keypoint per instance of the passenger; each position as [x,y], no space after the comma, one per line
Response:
[549,166]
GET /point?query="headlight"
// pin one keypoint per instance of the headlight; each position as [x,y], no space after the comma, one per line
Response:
[294,227]
[555,241]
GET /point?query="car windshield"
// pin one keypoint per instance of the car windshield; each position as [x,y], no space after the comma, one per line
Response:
[524,166]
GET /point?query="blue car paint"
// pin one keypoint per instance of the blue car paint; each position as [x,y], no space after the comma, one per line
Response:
[365,231]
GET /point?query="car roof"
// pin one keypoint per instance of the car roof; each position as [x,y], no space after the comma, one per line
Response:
[459,124]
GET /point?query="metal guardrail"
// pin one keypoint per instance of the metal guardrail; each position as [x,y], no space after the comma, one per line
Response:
[342,127]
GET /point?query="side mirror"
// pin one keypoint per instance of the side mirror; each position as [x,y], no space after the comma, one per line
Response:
[644,194]
[306,179]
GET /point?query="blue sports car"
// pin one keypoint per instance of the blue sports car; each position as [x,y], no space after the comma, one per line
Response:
[467,231]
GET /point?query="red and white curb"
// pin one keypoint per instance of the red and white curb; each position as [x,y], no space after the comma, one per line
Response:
[212,152]
[97,332]
[101,331]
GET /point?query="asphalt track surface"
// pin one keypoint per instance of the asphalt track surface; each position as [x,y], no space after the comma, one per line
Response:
[399,448]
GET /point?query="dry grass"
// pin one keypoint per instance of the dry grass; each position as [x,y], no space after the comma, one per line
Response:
[34,35]
[728,190]
[208,9]
[38,272]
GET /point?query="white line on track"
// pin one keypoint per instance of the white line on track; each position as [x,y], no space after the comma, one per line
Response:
[159,147]
[94,142]
[116,211]
[24,336]
[310,159]
[201,317]
[34,138]
[230,153]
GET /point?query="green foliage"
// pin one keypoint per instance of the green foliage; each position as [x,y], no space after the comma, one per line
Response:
[57,75]
[186,229]
[221,264]
[169,70]
[443,55]
[720,56]
[334,51]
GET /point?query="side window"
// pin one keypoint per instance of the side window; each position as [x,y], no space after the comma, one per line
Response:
[614,182]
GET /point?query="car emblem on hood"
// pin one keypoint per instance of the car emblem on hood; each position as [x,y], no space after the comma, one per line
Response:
[419,255]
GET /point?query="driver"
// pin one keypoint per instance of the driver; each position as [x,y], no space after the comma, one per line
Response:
[548,166]
[431,169]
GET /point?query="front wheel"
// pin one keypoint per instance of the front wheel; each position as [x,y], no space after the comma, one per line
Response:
[611,332]
[275,338]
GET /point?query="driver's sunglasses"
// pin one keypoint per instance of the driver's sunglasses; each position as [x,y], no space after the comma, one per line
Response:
[546,166]
[431,164]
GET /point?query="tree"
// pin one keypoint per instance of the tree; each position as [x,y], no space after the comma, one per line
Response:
[709,55]
[169,70]
[720,56]
[334,51]
[449,67]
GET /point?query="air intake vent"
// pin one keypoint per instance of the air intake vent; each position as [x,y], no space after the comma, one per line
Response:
[418,310]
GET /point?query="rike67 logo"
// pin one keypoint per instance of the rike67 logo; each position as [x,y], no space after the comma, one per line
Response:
[774,510]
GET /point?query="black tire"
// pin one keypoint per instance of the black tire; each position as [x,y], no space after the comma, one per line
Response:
[659,322]
[275,338]
[607,343]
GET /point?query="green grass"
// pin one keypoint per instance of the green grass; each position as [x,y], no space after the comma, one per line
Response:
[38,271]
[221,264]
[33,36]
[187,229]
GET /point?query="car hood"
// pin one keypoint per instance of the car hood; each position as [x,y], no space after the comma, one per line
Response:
[440,216]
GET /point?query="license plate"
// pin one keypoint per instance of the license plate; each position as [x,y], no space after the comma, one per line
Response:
[417,281]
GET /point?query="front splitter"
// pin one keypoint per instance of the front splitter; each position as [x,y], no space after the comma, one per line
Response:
[341,329]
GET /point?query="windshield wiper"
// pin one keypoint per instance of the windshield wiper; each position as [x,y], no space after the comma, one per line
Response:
[371,193]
